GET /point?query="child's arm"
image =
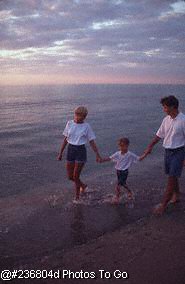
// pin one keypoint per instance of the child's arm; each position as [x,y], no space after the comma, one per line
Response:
[106,159]
[62,149]
[113,158]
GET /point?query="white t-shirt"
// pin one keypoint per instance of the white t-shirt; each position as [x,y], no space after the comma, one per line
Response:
[78,133]
[124,161]
[172,130]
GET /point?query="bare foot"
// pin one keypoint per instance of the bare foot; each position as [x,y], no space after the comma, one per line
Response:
[175,198]
[130,195]
[77,201]
[115,200]
[159,210]
[83,188]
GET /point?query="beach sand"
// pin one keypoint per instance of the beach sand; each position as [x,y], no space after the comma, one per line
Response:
[151,251]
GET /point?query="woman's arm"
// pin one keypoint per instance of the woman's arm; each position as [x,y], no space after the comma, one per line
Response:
[95,149]
[62,148]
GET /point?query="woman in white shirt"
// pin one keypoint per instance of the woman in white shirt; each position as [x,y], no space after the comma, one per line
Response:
[76,134]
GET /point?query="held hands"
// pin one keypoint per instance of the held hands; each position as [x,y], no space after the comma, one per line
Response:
[99,159]
[102,160]
[146,152]
[143,156]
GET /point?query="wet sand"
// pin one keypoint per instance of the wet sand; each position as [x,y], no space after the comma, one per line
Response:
[150,250]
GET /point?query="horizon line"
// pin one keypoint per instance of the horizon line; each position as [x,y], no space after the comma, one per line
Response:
[76,84]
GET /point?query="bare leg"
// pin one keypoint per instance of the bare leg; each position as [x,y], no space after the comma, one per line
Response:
[176,195]
[118,193]
[129,192]
[70,170]
[170,189]
[78,183]
[70,166]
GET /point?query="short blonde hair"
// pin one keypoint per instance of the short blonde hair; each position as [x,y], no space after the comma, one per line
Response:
[81,110]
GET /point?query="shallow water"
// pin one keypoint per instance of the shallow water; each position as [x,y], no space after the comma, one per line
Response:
[35,195]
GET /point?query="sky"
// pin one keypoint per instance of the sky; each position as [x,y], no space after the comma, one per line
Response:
[86,41]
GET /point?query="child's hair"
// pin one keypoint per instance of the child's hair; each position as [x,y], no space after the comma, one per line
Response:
[170,101]
[81,110]
[124,140]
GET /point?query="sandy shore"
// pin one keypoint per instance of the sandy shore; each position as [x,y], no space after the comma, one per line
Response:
[150,251]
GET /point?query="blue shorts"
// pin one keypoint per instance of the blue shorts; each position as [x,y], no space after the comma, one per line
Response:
[122,177]
[173,161]
[76,153]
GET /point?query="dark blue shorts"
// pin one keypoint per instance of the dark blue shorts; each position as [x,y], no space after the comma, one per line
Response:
[122,177]
[76,153]
[173,161]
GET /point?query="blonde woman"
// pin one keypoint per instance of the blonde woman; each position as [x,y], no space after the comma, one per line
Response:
[76,134]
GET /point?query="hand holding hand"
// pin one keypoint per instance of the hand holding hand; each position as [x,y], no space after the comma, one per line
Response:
[142,157]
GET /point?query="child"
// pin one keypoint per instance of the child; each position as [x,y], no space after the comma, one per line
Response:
[76,134]
[123,159]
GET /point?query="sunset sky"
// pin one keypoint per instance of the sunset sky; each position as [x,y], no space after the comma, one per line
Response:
[92,41]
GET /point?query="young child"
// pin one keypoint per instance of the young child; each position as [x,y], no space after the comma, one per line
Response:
[123,159]
[76,134]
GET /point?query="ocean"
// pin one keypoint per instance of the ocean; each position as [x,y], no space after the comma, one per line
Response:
[37,213]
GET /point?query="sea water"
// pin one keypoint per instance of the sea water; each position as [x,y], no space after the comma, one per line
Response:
[32,120]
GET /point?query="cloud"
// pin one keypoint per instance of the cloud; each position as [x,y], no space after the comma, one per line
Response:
[92,36]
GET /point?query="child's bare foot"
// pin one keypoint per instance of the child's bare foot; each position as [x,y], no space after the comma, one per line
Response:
[115,200]
[130,195]
[77,201]
[159,210]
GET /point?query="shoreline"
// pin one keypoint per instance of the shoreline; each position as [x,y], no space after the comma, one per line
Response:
[142,246]
[150,250]
[30,226]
